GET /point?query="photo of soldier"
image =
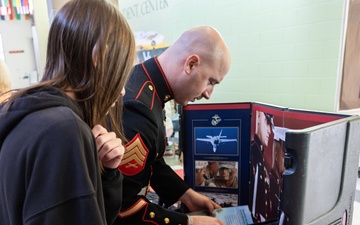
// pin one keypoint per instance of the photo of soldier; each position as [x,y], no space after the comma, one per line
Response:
[212,170]
[223,174]
[227,177]
[205,172]
[263,201]
[200,170]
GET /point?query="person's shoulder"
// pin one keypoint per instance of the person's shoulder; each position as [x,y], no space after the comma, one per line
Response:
[56,113]
[143,97]
[139,87]
[55,128]
[59,118]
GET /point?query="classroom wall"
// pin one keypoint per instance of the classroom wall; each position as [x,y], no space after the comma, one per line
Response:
[44,12]
[42,25]
[286,53]
[18,49]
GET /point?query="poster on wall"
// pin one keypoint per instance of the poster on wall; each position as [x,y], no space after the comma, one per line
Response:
[148,45]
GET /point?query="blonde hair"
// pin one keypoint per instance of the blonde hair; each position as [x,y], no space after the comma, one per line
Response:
[5,83]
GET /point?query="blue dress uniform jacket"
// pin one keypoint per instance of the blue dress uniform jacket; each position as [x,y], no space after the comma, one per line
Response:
[263,189]
[146,93]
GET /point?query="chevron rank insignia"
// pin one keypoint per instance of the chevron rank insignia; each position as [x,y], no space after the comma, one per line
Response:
[135,157]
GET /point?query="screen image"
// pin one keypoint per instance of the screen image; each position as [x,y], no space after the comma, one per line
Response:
[215,140]
[217,174]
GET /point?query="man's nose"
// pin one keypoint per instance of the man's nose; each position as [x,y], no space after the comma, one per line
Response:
[207,93]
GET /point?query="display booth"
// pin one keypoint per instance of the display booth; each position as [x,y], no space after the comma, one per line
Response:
[289,166]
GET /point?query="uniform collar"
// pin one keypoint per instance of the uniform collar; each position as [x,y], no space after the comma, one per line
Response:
[156,75]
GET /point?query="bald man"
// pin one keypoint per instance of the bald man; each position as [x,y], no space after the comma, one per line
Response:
[186,71]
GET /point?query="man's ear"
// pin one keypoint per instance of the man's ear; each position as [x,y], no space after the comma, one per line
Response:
[191,61]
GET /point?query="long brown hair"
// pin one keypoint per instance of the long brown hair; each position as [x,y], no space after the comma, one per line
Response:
[90,52]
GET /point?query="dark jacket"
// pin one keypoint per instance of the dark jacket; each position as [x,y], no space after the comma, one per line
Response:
[146,93]
[263,189]
[49,169]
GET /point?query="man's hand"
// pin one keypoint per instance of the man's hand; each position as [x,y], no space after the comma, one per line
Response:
[110,148]
[206,220]
[198,202]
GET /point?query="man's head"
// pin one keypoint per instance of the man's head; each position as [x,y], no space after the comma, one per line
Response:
[195,63]
[226,170]
[200,168]
[264,124]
